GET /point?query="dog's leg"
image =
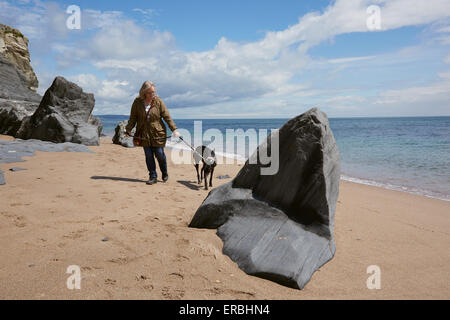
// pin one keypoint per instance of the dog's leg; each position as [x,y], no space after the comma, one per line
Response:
[206,181]
[211,177]
[198,175]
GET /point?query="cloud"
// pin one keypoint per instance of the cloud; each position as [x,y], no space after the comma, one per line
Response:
[123,53]
[423,94]
[351,59]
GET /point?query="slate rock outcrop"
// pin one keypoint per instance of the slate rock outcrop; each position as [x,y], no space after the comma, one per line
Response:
[13,150]
[281,226]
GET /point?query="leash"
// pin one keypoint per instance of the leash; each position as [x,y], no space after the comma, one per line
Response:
[181,138]
[192,148]
[139,138]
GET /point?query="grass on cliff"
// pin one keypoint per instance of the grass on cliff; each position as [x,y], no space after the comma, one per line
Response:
[15,32]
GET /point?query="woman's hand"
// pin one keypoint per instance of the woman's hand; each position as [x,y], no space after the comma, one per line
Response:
[176,134]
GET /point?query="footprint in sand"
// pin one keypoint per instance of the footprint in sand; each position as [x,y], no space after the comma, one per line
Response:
[181,258]
[75,234]
[110,282]
[16,204]
[182,242]
[177,275]
[120,260]
[172,293]
[18,221]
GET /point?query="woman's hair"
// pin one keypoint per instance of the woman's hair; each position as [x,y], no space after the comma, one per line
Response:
[146,85]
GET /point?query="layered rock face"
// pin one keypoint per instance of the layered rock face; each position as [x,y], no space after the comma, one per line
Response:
[281,226]
[18,82]
[14,46]
[64,115]
[17,101]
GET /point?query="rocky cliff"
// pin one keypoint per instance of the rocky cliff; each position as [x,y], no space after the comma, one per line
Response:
[14,47]
[64,114]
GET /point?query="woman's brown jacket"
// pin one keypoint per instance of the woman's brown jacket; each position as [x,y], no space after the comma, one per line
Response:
[153,130]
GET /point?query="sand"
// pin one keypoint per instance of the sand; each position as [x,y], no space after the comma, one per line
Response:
[132,241]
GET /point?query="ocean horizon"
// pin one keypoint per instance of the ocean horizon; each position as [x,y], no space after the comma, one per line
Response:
[409,154]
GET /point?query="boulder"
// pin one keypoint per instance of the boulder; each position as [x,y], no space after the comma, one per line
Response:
[281,226]
[64,115]
[119,135]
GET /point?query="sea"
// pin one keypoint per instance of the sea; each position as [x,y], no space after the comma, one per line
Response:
[409,154]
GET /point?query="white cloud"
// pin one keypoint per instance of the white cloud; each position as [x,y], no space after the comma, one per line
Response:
[351,59]
[127,53]
[346,99]
[417,94]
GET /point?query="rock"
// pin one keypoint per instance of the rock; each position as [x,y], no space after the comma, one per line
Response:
[13,84]
[13,151]
[119,135]
[64,115]
[2,178]
[281,227]
[14,47]
[17,99]
[12,114]
[96,122]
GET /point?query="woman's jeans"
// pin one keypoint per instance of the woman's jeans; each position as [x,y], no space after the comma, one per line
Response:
[150,154]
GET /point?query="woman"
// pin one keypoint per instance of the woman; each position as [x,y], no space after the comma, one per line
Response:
[147,113]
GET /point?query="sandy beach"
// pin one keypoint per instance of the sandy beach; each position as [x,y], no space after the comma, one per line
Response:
[132,241]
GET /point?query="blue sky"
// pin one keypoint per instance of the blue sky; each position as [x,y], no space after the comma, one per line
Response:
[247,59]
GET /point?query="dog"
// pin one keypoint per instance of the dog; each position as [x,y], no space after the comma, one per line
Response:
[209,161]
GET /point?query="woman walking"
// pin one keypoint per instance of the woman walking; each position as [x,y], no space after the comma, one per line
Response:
[147,112]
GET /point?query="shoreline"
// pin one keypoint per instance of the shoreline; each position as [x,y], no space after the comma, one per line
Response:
[354,179]
[132,241]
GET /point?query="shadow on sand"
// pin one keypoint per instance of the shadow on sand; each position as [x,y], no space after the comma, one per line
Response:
[117,179]
[190,185]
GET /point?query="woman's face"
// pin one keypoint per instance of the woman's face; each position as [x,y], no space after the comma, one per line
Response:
[149,94]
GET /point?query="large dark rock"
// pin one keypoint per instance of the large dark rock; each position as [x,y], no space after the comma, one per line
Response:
[281,226]
[119,135]
[64,115]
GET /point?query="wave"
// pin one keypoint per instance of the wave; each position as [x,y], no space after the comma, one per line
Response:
[389,186]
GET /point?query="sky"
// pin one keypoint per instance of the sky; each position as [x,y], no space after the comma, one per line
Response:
[246,59]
